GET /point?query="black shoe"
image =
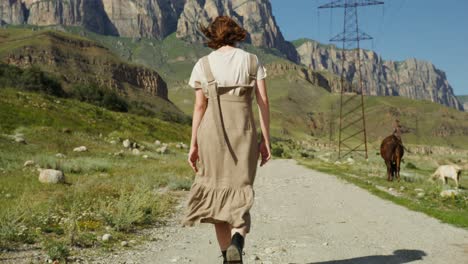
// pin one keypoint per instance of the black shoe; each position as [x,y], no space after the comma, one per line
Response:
[224,257]
[234,251]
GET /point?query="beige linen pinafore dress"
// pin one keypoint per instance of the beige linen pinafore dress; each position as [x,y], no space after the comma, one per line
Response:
[228,154]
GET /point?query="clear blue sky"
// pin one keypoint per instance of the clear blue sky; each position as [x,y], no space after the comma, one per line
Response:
[432,30]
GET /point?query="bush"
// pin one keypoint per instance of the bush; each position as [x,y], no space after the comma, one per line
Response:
[31,79]
[97,95]
[12,229]
[277,151]
[410,165]
[57,250]
[135,207]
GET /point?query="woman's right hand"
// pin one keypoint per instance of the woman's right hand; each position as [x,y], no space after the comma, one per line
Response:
[265,152]
[193,157]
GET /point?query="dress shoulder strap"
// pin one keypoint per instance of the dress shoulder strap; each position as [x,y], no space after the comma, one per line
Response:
[253,67]
[206,67]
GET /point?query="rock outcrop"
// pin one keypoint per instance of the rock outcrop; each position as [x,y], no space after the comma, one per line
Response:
[255,16]
[411,78]
[135,18]
[12,12]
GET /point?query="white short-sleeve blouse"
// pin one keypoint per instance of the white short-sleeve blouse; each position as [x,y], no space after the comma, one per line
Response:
[228,67]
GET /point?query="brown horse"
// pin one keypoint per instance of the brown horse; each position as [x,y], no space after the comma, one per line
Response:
[392,151]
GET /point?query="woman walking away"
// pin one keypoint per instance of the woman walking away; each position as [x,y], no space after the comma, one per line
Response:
[225,147]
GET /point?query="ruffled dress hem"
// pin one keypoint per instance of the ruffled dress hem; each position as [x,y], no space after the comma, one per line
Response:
[216,205]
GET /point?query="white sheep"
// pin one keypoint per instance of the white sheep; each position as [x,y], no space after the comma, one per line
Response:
[447,171]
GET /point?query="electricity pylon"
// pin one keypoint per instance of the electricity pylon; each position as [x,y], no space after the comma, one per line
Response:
[352,134]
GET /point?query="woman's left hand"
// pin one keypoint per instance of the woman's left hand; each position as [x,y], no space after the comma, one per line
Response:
[193,157]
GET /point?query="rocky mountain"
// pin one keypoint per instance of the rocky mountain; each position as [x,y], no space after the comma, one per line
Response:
[255,16]
[464,100]
[150,18]
[411,78]
[135,18]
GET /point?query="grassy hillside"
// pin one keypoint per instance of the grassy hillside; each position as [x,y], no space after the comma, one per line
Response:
[78,62]
[171,57]
[110,189]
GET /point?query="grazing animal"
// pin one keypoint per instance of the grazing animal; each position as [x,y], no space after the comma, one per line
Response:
[446,172]
[392,151]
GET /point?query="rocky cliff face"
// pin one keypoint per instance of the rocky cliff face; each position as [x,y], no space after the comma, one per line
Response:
[129,18]
[411,78]
[151,18]
[255,16]
[11,12]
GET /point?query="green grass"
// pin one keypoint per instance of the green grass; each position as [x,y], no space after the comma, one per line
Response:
[371,176]
[102,190]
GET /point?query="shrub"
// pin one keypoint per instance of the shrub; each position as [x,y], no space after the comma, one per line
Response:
[30,79]
[12,229]
[94,94]
[57,250]
[410,165]
[277,151]
[135,207]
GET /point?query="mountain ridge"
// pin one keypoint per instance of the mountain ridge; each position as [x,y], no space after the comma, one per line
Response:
[412,78]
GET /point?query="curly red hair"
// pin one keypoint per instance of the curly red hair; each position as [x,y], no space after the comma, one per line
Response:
[223,31]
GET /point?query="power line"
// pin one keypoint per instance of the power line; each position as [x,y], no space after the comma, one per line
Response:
[352,133]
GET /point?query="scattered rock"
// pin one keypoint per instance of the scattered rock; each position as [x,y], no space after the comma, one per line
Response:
[60,155]
[66,130]
[337,162]
[162,150]
[119,153]
[448,193]
[20,139]
[126,143]
[402,188]
[350,160]
[106,237]
[132,241]
[418,190]
[157,142]
[134,145]
[124,243]
[80,149]
[113,142]
[29,163]
[420,195]
[325,244]
[145,156]
[51,176]
[181,145]
[135,151]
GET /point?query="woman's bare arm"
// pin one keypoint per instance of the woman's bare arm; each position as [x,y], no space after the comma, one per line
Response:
[199,109]
[264,109]
[264,114]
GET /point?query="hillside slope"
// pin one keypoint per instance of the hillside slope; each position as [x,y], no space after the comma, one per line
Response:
[76,60]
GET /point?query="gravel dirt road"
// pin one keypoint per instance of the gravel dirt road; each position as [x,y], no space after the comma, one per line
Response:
[304,216]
